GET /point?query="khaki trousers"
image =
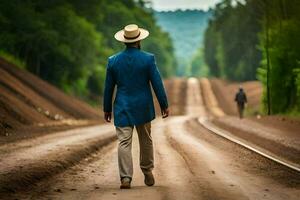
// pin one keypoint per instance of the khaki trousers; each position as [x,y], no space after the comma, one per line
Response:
[124,150]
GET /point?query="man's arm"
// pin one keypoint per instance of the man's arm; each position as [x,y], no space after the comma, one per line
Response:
[245,97]
[158,88]
[108,93]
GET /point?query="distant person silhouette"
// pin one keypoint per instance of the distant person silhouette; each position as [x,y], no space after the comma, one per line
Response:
[133,72]
[241,100]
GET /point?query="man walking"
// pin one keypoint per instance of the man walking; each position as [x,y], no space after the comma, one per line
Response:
[132,71]
[241,100]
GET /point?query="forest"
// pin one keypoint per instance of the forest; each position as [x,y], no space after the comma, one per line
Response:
[258,39]
[67,42]
[186,28]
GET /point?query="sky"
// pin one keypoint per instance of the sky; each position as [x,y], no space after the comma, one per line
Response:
[163,5]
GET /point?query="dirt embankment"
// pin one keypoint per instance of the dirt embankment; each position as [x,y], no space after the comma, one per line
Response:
[225,93]
[28,104]
[209,98]
[176,89]
[31,107]
[276,134]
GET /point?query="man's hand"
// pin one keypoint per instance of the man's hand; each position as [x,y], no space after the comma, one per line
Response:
[107,116]
[165,113]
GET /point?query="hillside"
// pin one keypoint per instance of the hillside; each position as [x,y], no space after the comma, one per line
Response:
[30,106]
[28,101]
[67,42]
[186,29]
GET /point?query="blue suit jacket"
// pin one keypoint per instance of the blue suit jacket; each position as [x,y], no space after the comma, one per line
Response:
[132,71]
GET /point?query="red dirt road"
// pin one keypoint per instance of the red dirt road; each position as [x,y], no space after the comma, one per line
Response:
[190,163]
[276,135]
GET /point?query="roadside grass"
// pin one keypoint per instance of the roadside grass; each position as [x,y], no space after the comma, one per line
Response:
[292,114]
[253,111]
[12,59]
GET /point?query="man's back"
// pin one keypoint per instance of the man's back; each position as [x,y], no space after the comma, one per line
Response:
[132,71]
[240,97]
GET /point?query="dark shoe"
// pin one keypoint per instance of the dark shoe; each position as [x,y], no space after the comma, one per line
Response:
[149,179]
[125,183]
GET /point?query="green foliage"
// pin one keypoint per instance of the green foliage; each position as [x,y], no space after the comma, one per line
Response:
[242,38]
[284,48]
[67,42]
[230,44]
[109,20]
[210,49]
[12,59]
[186,29]
[198,66]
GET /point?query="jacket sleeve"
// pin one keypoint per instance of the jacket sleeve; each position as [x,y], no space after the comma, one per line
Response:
[245,97]
[108,89]
[157,84]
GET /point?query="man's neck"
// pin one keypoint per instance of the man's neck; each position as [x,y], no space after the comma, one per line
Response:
[133,47]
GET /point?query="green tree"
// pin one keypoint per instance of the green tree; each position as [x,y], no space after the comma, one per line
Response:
[283,49]
[67,42]
[258,38]
[198,65]
[231,41]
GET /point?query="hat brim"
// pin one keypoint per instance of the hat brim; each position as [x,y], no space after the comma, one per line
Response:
[120,36]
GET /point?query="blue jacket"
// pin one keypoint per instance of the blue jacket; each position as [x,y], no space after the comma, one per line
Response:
[132,71]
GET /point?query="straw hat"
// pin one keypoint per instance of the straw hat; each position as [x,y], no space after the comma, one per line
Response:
[131,33]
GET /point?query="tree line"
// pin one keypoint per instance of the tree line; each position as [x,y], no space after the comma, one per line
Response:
[186,28]
[258,39]
[67,42]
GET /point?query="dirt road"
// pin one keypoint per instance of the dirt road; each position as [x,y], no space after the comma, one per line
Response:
[190,163]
